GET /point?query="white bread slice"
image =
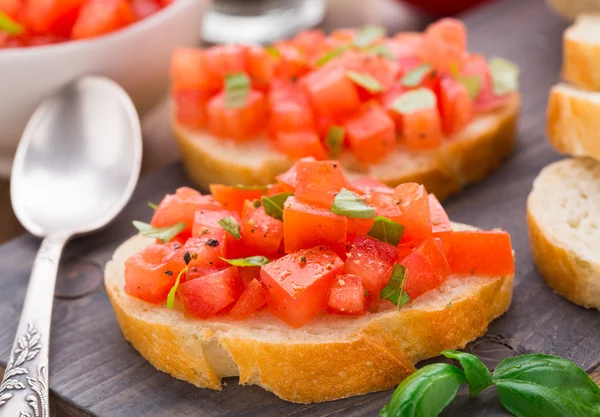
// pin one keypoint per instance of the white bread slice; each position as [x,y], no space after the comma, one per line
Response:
[467,157]
[581,52]
[570,9]
[330,358]
[573,122]
[564,228]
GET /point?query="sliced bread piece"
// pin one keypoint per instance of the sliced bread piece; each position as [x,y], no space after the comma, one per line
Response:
[467,157]
[330,358]
[573,121]
[581,52]
[564,228]
[570,9]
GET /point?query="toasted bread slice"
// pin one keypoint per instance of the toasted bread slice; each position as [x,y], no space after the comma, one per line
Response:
[330,358]
[573,122]
[564,228]
[570,9]
[581,52]
[467,157]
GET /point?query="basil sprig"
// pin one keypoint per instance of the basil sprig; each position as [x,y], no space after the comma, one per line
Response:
[10,26]
[335,140]
[274,204]
[386,230]
[231,226]
[366,81]
[394,289]
[414,77]
[173,291]
[165,234]
[348,204]
[505,76]
[528,385]
[250,261]
[367,35]
[237,90]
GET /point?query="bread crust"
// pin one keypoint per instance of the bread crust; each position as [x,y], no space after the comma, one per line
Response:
[580,56]
[468,157]
[331,358]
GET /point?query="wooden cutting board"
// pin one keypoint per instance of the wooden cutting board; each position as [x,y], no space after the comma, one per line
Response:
[95,371]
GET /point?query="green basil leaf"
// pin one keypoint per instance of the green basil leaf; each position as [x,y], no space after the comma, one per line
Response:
[414,101]
[477,374]
[386,230]
[414,77]
[250,261]
[527,399]
[271,50]
[231,226]
[348,204]
[505,76]
[163,233]
[173,291]
[394,289]
[152,205]
[335,140]
[426,392]
[366,81]
[274,204]
[367,35]
[472,83]
[237,90]
[9,26]
[334,53]
[250,187]
[381,50]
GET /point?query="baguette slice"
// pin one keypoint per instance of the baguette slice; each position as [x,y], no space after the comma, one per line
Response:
[468,157]
[330,358]
[570,9]
[573,122]
[581,52]
[564,228]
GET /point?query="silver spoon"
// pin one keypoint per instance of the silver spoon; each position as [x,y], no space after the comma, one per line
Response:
[75,169]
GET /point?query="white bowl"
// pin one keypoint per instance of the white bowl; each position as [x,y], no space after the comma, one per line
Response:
[137,57]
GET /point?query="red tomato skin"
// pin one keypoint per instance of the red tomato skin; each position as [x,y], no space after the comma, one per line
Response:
[51,16]
[98,17]
[190,108]
[367,186]
[347,296]
[248,273]
[444,44]
[224,60]
[331,91]
[481,253]
[371,133]
[290,109]
[205,250]
[441,227]
[252,299]
[200,271]
[372,260]
[181,206]
[288,179]
[306,226]
[189,71]
[455,105]
[292,63]
[311,42]
[426,265]
[298,284]
[240,124]
[261,66]
[205,297]
[144,8]
[151,273]
[318,182]
[357,227]
[300,144]
[12,8]
[382,69]
[421,129]
[233,198]
[209,220]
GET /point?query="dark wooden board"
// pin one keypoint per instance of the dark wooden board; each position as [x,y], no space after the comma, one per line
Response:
[94,369]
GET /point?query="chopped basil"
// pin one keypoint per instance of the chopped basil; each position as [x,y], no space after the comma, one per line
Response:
[335,140]
[163,233]
[381,50]
[231,226]
[334,53]
[171,296]
[250,261]
[274,204]
[367,35]
[386,230]
[505,76]
[250,187]
[472,83]
[237,89]
[394,289]
[152,205]
[271,50]
[414,101]
[366,81]
[415,76]
[348,204]
[9,26]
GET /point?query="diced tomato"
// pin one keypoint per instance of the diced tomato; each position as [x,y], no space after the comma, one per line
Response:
[405,45]
[311,43]
[306,226]
[300,144]
[345,34]
[290,109]
[382,69]
[421,129]
[190,108]
[181,206]
[232,198]
[181,238]
[53,16]
[486,100]
[348,296]
[144,8]
[387,98]
[288,179]
[205,249]
[455,105]
[151,273]
[251,300]
[261,66]
[371,133]
[318,182]
[275,189]
[225,59]
[200,271]
[12,8]
[298,284]
[440,223]
[367,186]
[331,91]
[444,44]
[357,227]
[248,273]
[426,265]
[481,253]
[241,123]
[98,17]
[372,260]
[209,219]
[190,72]
[205,297]
[292,62]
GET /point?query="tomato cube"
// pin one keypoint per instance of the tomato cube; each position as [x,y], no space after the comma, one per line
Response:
[444,44]
[367,186]
[387,98]
[144,8]
[205,297]
[190,108]
[357,227]
[298,284]
[209,220]
[223,60]
[200,271]
[421,129]
[55,17]
[455,105]
[233,198]
[348,296]
[248,273]
[318,182]
[241,123]
[426,266]
[371,133]
[204,250]
[98,17]
[292,62]
[384,70]
[310,42]
[189,71]
[251,300]
[331,91]
[261,66]
[12,8]
[181,206]
[440,223]
[372,260]
[290,109]
[481,253]
[306,226]
[300,144]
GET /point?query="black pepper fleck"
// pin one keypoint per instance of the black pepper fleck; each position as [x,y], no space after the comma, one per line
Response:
[187,257]
[169,273]
[212,243]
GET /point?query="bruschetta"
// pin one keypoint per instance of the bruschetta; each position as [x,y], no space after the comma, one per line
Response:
[315,288]
[415,107]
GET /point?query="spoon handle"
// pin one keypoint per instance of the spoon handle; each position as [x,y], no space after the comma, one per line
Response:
[24,389]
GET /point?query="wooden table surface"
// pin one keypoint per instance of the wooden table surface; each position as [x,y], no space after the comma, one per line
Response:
[94,369]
